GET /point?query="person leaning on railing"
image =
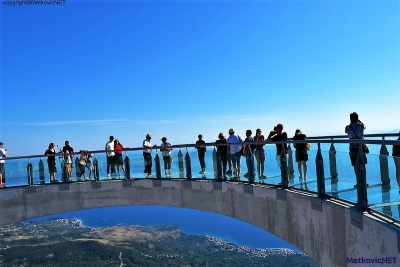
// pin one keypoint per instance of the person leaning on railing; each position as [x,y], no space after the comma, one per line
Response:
[51,162]
[396,158]
[301,153]
[355,130]
[3,154]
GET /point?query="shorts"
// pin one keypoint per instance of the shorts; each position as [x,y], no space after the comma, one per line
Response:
[1,168]
[118,160]
[236,159]
[110,160]
[278,160]
[259,152]
[52,166]
[301,155]
[353,158]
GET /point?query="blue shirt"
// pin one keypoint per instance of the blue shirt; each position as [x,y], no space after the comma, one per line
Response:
[234,139]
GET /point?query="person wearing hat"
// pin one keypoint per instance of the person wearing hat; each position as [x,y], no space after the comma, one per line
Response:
[234,150]
[110,156]
[166,148]
[3,154]
[201,152]
[396,158]
[147,155]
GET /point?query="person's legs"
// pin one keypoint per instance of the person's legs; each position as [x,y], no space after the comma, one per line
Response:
[1,174]
[262,160]
[108,164]
[258,164]
[305,169]
[238,156]
[224,160]
[299,163]
[278,160]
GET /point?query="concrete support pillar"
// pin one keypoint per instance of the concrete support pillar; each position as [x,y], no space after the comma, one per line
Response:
[29,170]
[41,172]
[384,164]
[158,165]
[332,162]
[127,164]
[180,162]
[96,169]
[188,165]
[319,165]
[290,161]
[361,175]
[284,169]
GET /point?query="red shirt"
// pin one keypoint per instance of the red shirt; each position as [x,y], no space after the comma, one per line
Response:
[118,149]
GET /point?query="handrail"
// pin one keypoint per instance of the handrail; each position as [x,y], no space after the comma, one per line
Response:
[289,141]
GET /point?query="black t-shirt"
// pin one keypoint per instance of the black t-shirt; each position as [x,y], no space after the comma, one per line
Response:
[222,150]
[49,152]
[396,151]
[69,148]
[201,150]
[280,137]
[300,137]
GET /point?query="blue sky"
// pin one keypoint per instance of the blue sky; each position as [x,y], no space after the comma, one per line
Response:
[86,70]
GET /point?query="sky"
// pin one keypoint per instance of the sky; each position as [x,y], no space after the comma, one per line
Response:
[84,70]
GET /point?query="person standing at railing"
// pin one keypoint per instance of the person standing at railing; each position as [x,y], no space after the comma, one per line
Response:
[301,153]
[148,161]
[118,161]
[166,148]
[201,152]
[249,155]
[3,154]
[82,163]
[396,158]
[68,148]
[51,162]
[89,166]
[68,164]
[234,151]
[110,156]
[355,130]
[260,153]
[222,153]
[278,135]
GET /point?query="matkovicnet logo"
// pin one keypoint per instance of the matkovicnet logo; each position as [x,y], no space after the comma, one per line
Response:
[376,260]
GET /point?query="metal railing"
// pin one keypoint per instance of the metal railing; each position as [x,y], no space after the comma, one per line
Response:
[286,163]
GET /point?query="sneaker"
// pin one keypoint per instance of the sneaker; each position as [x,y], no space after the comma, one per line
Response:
[263,176]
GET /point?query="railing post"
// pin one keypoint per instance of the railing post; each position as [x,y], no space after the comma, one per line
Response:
[319,164]
[96,168]
[332,161]
[77,171]
[41,171]
[29,169]
[215,160]
[180,161]
[127,167]
[64,175]
[290,162]
[188,165]
[284,168]
[158,165]
[361,175]
[218,174]
[250,167]
[384,164]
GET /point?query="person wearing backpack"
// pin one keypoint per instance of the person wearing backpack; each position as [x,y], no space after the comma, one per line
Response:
[235,152]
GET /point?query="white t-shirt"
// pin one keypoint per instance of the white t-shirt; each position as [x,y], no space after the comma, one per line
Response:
[166,152]
[146,143]
[110,146]
[2,153]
